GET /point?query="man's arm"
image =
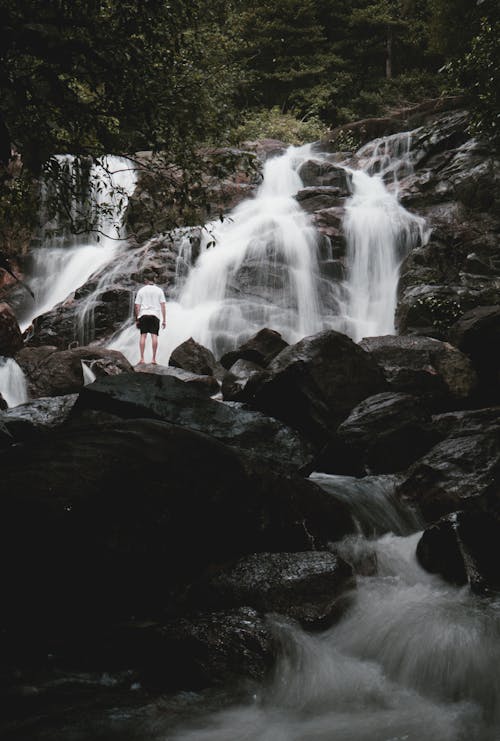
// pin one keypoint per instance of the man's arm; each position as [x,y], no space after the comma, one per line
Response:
[137,308]
[164,313]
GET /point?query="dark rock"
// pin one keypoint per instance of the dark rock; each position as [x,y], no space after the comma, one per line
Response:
[11,339]
[466,422]
[383,434]
[464,548]
[458,473]
[106,521]
[425,367]
[208,385]
[3,403]
[163,397]
[52,372]
[317,198]
[235,381]
[28,421]
[215,648]
[477,334]
[303,586]
[259,349]
[193,357]
[315,173]
[314,384]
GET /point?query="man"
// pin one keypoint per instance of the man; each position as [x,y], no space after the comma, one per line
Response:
[149,307]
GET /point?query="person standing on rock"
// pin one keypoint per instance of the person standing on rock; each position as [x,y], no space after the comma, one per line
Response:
[150,308]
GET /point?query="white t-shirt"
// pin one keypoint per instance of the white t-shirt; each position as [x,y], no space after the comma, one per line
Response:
[150,297]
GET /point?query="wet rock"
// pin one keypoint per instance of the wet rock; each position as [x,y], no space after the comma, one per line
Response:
[477,334]
[193,357]
[303,586]
[259,349]
[315,173]
[11,339]
[235,381]
[30,420]
[460,472]
[383,434]
[317,198]
[314,384]
[466,422]
[424,367]
[208,385]
[52,372]
[464,548]
[215,648]
[162,397]
[105,521]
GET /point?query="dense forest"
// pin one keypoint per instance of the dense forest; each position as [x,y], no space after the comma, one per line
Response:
[96,76]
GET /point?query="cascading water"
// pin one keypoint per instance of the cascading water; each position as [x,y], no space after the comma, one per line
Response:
[261,268]
[65,262]
[380,233]
[12,382]
[411,658]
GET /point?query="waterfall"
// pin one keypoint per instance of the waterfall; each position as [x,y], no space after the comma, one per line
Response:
[12,382]
[380,233]
[65,261]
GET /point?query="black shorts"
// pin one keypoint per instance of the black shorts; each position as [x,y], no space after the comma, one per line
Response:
[149,324]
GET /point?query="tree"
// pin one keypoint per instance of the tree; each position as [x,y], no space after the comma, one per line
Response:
[90,77]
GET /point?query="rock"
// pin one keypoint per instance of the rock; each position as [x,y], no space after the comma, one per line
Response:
[52,372]
[460,472]
[477,334]
[316,173]
[464,548]
[163,397]
[28,421]
[235,381]
[425,367]
[259,349]
[317,198]
[466,422]
[208,385]
[314,384]
[105,521]
[11,339]
[3,403]
[216,648]
[383,434]
[193,357]
[303,586]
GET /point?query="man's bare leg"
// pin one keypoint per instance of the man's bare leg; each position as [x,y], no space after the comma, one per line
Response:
[154,342]
[142,345]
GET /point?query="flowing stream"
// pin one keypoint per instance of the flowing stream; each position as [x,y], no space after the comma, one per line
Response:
[412,658]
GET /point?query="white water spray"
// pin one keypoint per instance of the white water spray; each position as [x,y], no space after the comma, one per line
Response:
[380,233]
[13,385]
[66,262]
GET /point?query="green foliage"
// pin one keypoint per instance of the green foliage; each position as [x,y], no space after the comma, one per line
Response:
[110,76]
[273,124]
[478,72]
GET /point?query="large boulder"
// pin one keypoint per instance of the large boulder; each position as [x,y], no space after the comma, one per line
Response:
[104,521]
[193,357]
[383,434]
[477,334]
[163,397]
[423,366]
[464,548]
[461,472]
[53,372]
[11,339]
[261,349]
[208,385]
[303,586]
[30,420]
[235,381]
[314,384]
